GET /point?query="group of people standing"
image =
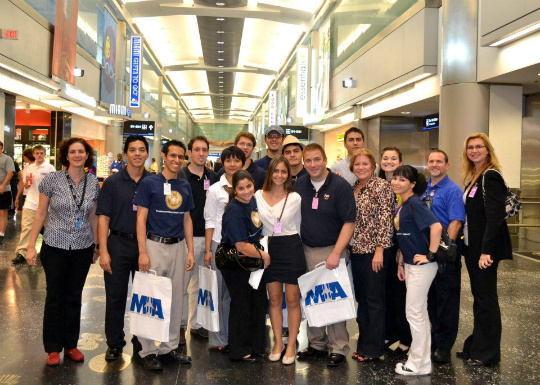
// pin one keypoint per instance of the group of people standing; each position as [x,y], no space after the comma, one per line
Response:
[387,226]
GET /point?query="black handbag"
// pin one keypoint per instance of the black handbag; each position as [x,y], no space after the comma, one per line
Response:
[228,257]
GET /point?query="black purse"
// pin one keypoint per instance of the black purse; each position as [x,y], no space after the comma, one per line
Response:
[228,257]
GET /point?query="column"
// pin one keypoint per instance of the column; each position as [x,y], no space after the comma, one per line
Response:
[156,151]
[8,122]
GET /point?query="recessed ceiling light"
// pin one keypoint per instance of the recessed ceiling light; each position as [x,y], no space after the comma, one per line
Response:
[220,31]
[220,4]
[221,59]
[220,51]
[405,112]
[220,66]
[221,42]
[221,82]
[221,77]
[220,19]
[220,72]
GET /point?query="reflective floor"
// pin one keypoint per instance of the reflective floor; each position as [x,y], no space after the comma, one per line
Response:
[22,294]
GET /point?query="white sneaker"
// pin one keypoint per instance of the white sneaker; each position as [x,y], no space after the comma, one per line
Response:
[402,369]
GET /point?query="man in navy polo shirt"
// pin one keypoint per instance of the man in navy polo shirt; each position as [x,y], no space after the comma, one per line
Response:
[163,204]
[119,252]
[445,199]
[328,213]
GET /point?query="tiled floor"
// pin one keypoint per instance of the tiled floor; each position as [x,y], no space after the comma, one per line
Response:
[22,294]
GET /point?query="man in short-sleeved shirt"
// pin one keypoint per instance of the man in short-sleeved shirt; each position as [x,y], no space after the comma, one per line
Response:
[446,201]
[353,141]
[7,169]
[273,137]
[118,164]
[163,222]
[328,213]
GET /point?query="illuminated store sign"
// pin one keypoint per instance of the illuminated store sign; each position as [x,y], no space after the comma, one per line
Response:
[10,34]
[272,108]
[134,127]
[431,122]
[116,109]
[301,132]
[136,71]
[303,80]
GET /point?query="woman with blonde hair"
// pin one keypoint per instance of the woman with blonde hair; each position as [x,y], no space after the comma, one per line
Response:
[487,242]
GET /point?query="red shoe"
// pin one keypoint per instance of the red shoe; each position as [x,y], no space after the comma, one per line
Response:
[53,359]
[74,355]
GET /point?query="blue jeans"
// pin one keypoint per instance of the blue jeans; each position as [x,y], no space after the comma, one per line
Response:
[369,288]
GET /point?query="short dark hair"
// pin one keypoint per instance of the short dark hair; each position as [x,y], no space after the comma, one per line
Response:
[64,146]
[245,134]
[412,175]
[233,152]
[315,147]
[173,142]
[440,152]
[351,130]
[29,153]
[193,140]
[134,138]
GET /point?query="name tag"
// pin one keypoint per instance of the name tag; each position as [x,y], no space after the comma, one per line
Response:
[134,207]
[472,192]
[206,184]
[78,221]
[166,189]
[277,227]
[315,204]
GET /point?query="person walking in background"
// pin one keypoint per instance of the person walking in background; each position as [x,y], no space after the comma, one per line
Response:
[153,167]
[7,170]
[27,159]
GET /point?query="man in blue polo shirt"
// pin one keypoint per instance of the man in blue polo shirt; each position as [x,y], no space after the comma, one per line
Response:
[328,213]
[163,204]
[273,137]
[445,199]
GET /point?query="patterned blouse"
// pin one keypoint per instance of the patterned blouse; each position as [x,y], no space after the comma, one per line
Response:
[374,213]
[68,226]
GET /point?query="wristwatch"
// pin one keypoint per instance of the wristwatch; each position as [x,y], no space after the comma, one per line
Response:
[96,246]
[431,256]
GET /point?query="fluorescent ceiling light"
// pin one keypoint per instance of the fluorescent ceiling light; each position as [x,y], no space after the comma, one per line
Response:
[252,3]
[220,19]
[396,87]
[188,2]
[516,35]
[221,42]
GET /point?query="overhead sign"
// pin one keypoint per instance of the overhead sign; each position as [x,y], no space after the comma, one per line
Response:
[108,71]
[10,34]
[136,127]
[272,108]
[431,122]
[65,40]
[301,132]
[116,109]
[302,81]
[136,71]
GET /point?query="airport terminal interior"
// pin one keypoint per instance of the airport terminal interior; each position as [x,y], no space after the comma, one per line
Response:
[414,74]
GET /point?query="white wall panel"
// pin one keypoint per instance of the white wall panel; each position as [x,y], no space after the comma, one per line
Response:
[86,128]
[90,82]
[498,13]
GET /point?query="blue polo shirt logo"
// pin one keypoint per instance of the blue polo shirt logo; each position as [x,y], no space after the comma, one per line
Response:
[147,306]
[327,292]
[205,299]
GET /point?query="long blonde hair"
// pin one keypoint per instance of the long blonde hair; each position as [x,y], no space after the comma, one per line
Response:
[491,161]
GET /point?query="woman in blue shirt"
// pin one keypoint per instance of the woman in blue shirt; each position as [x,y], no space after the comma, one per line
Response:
[242,228]
[416,264]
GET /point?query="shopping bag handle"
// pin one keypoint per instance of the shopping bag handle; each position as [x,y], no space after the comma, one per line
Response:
[151,271]
[334,271]
[320,264]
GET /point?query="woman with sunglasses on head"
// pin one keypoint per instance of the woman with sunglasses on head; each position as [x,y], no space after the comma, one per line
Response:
[487,242]
[279,209]
[414,222]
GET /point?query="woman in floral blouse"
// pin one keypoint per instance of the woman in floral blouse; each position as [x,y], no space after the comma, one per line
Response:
[372,234]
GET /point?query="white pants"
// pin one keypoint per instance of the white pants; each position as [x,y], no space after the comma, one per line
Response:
[418,280]
[191,286]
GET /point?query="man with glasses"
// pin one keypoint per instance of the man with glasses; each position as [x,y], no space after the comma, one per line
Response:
[445,199]
[353,141]
[273,138]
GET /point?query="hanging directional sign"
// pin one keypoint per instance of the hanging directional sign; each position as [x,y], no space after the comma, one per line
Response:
[142,127]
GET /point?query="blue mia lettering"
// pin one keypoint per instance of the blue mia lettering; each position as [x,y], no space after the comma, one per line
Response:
[331,291]
[147,306]
[205,299]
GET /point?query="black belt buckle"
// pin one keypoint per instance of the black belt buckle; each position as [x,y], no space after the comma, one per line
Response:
[166,241]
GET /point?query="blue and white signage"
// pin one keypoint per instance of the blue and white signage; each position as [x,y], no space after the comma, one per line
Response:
[136,71]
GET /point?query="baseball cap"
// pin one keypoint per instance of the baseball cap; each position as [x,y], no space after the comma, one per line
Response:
[274,128]
[291,139]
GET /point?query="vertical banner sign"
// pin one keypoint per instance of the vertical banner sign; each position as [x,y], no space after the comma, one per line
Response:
[136,72]
[65,40]
[302,80]
[108,74]
[323,82]
[272,108]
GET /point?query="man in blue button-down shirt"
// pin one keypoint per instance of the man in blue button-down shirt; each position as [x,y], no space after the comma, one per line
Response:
[445,199]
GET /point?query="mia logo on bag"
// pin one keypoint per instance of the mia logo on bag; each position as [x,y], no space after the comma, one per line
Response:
[205,299]
[327,292]
[147,306]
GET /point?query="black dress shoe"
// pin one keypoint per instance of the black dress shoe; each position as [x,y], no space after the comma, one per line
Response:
[151,362]
[19,259]
[472,362]
[335,359]
[112,354]
[200,332]
[463,355]
[137,347]
[250,358]
[310,352]
[175,356]
[441,356]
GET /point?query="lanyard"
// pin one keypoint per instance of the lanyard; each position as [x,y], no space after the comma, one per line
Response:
[79,205]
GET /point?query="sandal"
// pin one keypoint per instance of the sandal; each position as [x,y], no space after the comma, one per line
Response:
[355,355]
[361,358]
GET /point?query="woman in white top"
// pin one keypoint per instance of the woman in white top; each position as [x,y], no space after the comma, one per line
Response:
[279,210]
[233,159]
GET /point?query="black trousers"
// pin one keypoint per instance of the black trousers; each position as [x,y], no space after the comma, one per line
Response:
[124,262]
[443,306]
[65,272]
[369,289]
[484,343]
[247,316]
[396,324]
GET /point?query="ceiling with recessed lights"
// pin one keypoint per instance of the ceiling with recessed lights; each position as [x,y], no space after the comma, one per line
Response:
[222,55]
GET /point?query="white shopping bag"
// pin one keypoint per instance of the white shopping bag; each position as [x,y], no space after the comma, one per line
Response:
[207,309]
[327,296]
[150,308]
[255,278]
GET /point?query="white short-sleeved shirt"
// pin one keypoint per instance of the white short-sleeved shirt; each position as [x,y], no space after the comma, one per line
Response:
[216,200]
[291,219]
[38,174]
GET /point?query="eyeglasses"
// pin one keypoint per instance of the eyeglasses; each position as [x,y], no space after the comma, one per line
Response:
[274,136]
[477,147]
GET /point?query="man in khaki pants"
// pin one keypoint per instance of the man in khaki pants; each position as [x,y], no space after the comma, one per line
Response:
[328,215]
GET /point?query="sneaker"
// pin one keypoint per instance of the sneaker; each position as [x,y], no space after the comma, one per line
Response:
[53,359]
[401,368]
[74,355]
[19,259]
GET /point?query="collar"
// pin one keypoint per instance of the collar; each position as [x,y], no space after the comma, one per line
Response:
[223,181]
[188,172]
[441,184]
[326,181]
[126,176]
[371,181]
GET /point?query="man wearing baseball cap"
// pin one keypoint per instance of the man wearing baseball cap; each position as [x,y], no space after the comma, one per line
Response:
[273,138]
[292,149]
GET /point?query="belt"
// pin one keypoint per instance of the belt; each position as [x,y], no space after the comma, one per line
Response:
[167,241]
[124,235]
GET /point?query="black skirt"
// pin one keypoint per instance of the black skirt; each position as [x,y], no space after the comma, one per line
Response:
[287,260]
